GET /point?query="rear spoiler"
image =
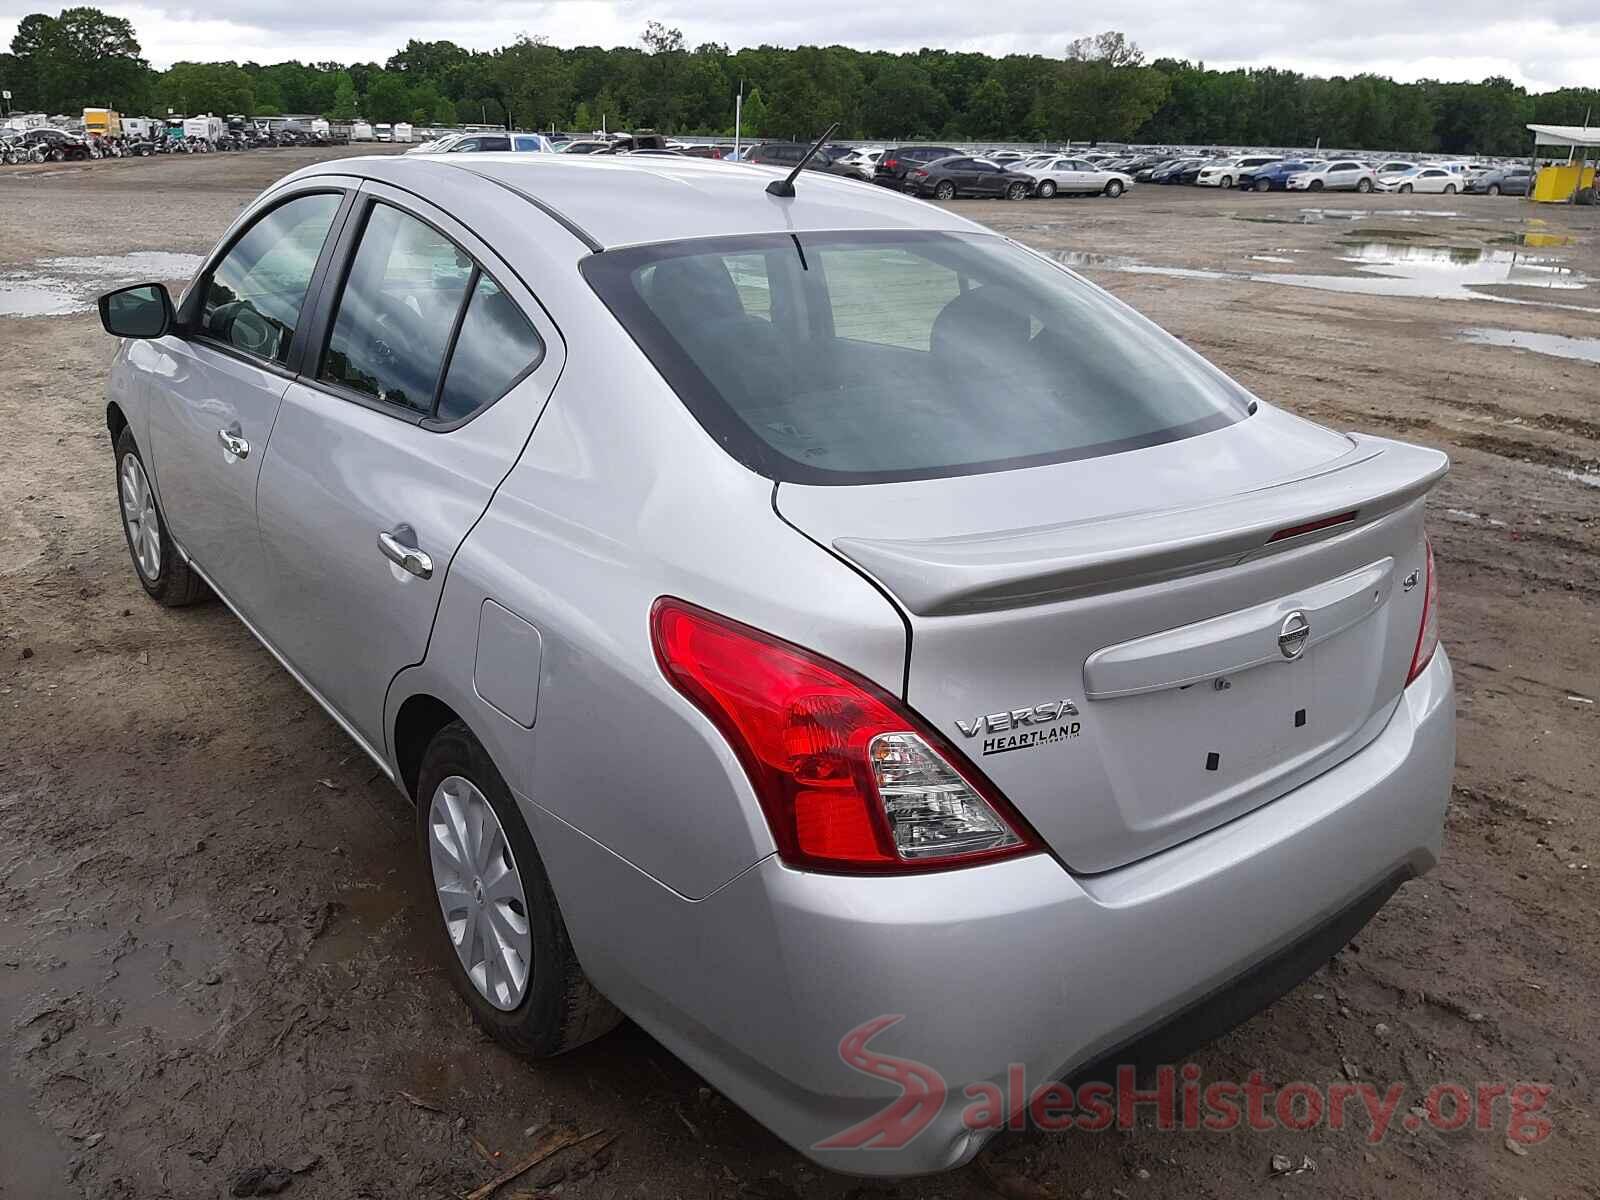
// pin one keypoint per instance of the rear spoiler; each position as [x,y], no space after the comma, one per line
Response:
[943,576]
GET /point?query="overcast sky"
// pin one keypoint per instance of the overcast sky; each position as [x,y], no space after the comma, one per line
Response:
[1540,43]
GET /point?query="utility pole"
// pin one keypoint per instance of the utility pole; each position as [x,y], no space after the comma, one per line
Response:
[738,120]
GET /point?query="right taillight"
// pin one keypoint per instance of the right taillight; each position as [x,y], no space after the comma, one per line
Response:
[848,780]
[1428,631]
[892,164]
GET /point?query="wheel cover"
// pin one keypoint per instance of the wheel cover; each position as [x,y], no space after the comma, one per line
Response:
[139,514]
[480,892]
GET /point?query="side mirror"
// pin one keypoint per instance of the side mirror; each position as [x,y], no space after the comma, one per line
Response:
[141,311]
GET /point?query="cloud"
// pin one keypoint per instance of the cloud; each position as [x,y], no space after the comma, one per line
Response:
[1540,43]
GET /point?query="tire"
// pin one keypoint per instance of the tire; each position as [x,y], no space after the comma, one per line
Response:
[1262,185]
[1017,191]
[1316,185]
[1114,188]
[163,574]
[1494,189]
[1227,182]
[944,190]
[1363,186]
[558,1008]
[1449,189]
[1047,189]
[1406,189]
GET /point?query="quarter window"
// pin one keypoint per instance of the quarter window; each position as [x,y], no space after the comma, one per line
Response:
[399,305]
[253,297]
[497,345]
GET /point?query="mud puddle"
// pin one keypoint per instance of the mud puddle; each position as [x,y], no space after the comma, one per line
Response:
[1442,272]
[1556,344]
[57,287]
[1318,216]
[1390,269]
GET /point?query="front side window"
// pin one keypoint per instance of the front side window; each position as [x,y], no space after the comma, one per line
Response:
[904,355]
[252,298]
[400,300]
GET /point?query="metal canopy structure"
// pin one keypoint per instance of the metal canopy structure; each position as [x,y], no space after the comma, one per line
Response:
[1566,135]
[1563,183]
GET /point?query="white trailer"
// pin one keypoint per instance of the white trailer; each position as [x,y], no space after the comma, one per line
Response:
[361,131]
[206,129]
[402,131]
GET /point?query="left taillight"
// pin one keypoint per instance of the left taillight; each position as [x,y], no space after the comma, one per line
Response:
[848,779]
[1428,630]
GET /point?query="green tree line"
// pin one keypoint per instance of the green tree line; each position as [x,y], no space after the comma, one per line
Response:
[1100,89]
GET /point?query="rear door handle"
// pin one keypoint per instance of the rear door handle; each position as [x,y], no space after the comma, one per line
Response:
[233,443]
[407,558]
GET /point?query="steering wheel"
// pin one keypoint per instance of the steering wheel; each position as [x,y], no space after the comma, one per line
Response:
[395,329]
[242,326]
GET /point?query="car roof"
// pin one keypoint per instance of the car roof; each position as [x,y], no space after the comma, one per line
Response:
[611,201]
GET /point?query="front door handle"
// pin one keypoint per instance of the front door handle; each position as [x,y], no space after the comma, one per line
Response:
[233,443]
[407,558]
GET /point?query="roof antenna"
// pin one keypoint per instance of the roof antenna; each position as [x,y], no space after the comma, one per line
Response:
[785,187]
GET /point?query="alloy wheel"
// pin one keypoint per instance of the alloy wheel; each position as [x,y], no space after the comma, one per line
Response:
[480,892]
[139,513]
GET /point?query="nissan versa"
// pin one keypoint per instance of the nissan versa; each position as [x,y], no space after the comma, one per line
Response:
[796,610]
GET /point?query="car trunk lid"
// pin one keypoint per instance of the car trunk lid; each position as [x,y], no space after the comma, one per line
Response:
[1140,647]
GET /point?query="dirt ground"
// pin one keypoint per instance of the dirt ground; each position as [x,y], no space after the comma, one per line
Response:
[212,950]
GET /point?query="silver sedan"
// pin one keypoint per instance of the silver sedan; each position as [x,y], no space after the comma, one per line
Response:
[1075,177]
[862,651]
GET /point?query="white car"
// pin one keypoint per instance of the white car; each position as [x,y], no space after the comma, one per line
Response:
[1074,177]
[1421,179]
[1393,167]
[1225,172]
[438,145]
[1339,175]
[866,160]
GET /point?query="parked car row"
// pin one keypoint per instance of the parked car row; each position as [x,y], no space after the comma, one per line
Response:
[1275,173]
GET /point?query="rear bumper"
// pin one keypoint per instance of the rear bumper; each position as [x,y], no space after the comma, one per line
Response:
[1016,965]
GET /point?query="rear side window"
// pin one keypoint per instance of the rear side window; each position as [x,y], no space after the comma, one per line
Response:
[420,325]
[904,355]
[399,304]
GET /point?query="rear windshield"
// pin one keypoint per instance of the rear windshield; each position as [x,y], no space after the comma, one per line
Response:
[874,357]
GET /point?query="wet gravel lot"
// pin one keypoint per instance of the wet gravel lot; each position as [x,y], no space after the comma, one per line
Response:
[212,950]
